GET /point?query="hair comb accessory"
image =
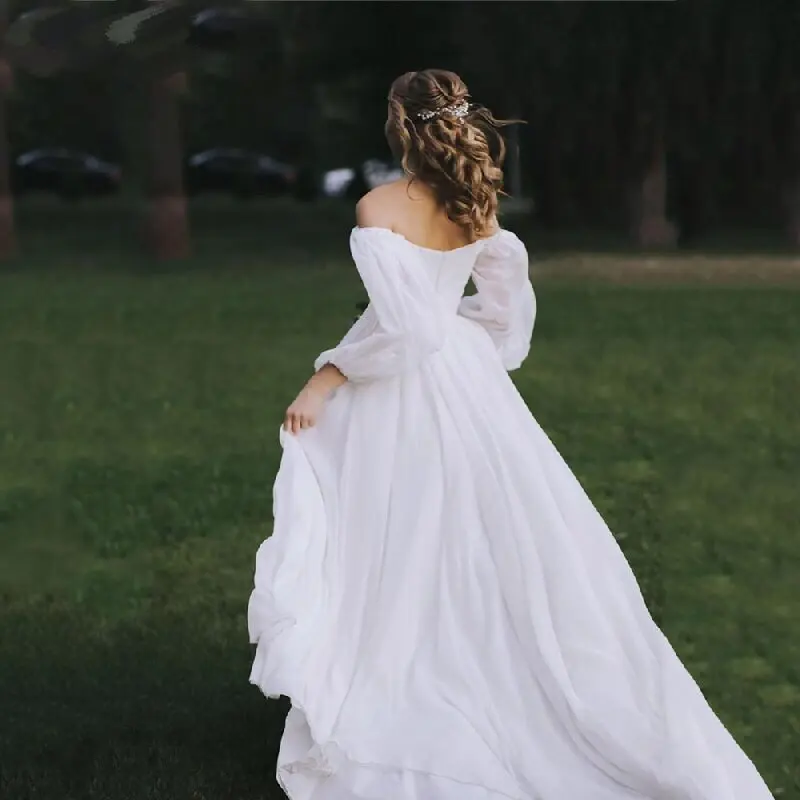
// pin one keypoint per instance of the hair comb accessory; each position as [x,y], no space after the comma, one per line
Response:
[459,111]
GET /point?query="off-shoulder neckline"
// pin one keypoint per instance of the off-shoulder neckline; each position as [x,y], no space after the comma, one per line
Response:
[400,236]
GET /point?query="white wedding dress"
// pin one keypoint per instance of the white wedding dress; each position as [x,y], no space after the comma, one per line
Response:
[447,611]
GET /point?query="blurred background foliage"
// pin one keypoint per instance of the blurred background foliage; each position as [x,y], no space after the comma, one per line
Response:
[611,92]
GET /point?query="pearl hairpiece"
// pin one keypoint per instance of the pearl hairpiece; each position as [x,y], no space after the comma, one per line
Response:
[459,111]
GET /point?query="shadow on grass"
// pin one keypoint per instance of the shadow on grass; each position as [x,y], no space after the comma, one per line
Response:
[158,709]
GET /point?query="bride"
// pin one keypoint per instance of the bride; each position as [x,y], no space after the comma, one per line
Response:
[447,611]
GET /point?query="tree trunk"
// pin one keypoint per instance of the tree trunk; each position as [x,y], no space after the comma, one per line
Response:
[793,214]
[546,167]
[650,226]
[792,184]
[7,237]
[166,227]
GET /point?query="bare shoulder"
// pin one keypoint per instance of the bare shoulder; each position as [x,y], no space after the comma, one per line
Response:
[382,206]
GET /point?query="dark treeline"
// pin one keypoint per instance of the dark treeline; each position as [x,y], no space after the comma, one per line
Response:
[669,120]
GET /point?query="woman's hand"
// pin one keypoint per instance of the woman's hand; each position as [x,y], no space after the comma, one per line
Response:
[305,410]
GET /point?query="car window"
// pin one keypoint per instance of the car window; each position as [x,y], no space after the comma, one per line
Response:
[72,163]
[47,162]
[270,164]
[231,163]
[223,162]
[65,161]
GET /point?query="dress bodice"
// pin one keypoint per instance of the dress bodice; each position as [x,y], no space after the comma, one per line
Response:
[416,294]
[448,271]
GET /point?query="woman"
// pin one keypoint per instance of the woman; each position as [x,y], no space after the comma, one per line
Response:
[448,613]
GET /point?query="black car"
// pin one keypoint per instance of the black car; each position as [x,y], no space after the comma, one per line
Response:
[241,173]
[66,173]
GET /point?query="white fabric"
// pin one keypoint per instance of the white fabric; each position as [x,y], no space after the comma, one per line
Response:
[449,614]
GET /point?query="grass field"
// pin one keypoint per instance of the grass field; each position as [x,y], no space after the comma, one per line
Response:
[138,424]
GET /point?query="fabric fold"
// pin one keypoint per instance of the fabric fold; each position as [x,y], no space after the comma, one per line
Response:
[404,323]
[505,303]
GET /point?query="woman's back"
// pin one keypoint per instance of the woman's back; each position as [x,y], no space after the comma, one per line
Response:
[410,209]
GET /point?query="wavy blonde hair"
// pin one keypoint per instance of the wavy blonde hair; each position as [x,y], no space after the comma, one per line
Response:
[459,158]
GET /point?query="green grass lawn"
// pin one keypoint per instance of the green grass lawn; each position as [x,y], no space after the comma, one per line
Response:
[139,414]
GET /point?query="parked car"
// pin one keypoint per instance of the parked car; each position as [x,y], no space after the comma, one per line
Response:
[69,174]
[354,183]
[238,172]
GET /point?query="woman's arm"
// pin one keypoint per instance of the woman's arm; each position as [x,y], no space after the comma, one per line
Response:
[326,379]
[307,406]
